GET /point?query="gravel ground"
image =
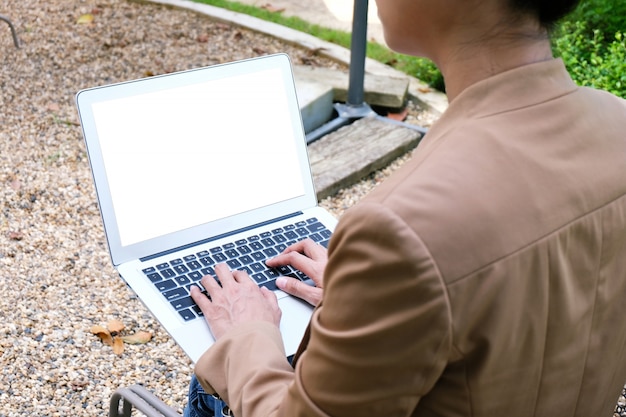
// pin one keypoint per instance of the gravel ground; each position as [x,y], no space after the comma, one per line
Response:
[56,276]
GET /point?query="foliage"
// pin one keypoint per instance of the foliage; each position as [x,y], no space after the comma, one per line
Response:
[607,16]
[592,59]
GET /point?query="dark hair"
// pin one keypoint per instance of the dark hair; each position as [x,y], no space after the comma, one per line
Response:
[548,12]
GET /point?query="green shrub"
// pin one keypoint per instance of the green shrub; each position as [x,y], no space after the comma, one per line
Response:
[607,16]
[591,58]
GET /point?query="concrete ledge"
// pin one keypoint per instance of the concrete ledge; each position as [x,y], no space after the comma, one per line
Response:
[316,103]
[379,90]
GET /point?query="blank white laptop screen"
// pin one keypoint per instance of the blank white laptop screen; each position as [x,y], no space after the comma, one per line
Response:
[242,159]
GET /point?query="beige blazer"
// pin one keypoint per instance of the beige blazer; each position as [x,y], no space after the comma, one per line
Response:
[486,278]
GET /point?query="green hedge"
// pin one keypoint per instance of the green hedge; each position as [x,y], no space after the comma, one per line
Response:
[592,43]
[591,58]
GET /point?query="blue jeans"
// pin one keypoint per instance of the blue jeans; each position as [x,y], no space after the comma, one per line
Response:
[201,404]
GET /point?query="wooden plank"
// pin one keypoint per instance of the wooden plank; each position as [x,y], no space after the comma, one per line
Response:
[384,91]
[344,157]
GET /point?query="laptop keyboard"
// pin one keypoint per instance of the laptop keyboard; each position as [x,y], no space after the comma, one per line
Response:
[175,277]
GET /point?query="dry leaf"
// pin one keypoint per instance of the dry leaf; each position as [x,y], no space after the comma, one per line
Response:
[16,185]
[85,19]
[399,116]
[272,9]
[138,338]
[118,345]
[16,235]
[54,107]
[103,334]
[115,326]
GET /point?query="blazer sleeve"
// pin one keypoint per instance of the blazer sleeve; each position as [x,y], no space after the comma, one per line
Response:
[378,341]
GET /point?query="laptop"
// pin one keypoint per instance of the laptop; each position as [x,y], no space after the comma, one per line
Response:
[199,167]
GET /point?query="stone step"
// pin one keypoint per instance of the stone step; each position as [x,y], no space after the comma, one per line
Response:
[347,155]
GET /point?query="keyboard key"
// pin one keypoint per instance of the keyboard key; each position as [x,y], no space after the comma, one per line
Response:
[272,273]
[280,239]
[154,277]
[193,265]
[244,249]
[267,242]
[246,259]
[270,285]
[265,235]
[149,270]
[284,269]
[183,280]
[257,267]
[311,220]
[231,253]
[233,263]
[316,237]
[181,269]
[181,303]
[270,252]
[258,256]
[168,273]
[206,261]
[166,285]
[187,314]
[259,278]
[208,271]
[256,245]
[189,258]
[163,266]
[197,310]
[175,293]
[215,250]
[174,262]
[316,227]
[195,275]
[219,257]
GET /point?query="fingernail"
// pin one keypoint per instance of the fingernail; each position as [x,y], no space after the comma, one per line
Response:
[281,282]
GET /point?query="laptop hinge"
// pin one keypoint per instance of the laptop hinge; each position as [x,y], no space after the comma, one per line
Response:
[223,235]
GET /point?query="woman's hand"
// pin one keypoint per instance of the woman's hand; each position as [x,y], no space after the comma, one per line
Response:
[238,300]
[308,257]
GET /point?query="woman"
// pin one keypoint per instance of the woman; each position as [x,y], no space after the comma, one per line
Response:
[485,277]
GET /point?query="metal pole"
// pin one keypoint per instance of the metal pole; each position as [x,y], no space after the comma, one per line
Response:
[358,50]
